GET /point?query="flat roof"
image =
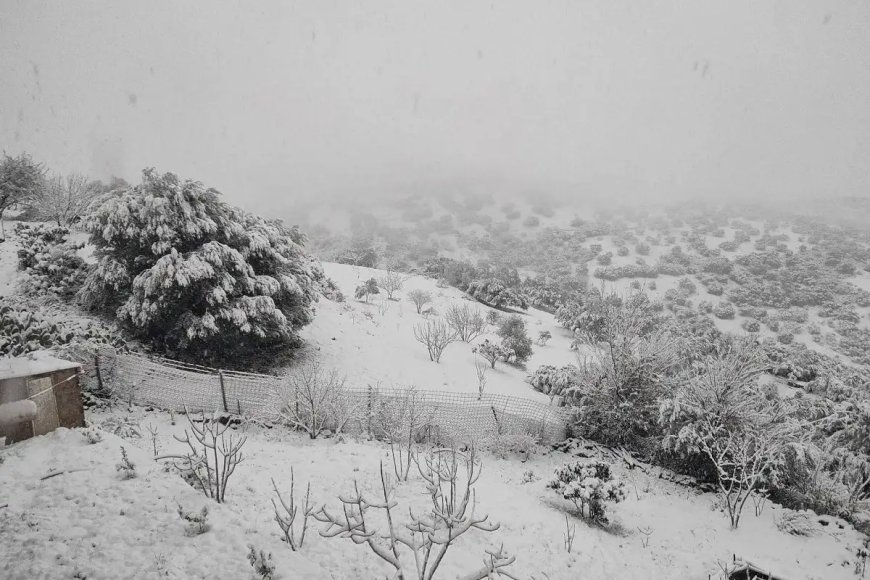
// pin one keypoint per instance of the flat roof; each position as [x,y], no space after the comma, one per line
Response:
[35,363]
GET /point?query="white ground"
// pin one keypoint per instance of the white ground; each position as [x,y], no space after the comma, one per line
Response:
[375,343]
[94,523]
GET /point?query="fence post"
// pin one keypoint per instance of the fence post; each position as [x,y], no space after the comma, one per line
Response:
[99,375]
[223,391]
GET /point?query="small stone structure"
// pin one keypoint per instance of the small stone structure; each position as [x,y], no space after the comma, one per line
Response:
[53,387]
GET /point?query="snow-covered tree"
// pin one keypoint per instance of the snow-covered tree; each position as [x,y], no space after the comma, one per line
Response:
[491,351]
[515,339]
[365,289]
[195,276]
[64,200]
[20,178]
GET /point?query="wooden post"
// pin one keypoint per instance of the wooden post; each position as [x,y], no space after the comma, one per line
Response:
[99,374]
[223,391]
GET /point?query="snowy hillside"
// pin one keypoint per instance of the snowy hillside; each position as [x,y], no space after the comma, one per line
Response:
[91,523]
[374,342]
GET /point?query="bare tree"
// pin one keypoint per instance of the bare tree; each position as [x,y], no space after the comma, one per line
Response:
[450,476]
[436,335]
[316,400]
[466,321]
[391,283]
[402,419]
[481,366]
[66,200]
[212,456]
[286,516]
[420,298]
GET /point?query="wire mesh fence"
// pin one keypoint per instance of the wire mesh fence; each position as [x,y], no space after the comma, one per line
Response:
[176,386]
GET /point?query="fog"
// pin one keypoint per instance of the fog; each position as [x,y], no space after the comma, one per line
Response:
[274,101]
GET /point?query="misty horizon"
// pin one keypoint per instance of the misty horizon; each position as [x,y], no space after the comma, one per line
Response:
[316,100]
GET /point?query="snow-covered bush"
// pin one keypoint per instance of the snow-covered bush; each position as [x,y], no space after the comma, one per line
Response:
[553,381]
[24,330]
[504,445]
[589,485]
[50,262]
[364,290]
[491,351]
[751,325]
[92,435]
[544,337]
[197,522]
[724,310]
[495,293]
[515,339]
[196,277]
[125,467]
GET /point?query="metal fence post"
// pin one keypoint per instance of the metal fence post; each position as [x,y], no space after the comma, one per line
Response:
[223,391]
[99,375]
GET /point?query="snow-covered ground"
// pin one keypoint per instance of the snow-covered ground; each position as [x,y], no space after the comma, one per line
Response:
[92,523]
[374,342]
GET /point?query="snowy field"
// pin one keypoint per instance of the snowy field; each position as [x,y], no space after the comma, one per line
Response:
[374,342]
[91,523]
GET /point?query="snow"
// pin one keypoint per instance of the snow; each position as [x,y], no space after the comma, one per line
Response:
[17,412]
[374,343]
[35,363]
[8,261]
[94,523]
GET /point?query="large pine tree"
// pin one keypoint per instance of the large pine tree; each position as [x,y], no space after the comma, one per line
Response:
[196,277]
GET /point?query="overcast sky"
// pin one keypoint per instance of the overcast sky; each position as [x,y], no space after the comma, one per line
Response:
[270,99]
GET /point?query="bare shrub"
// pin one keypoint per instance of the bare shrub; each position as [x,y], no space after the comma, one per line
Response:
[450,476]
[467,322]
[316,400]
[402,420]
[420,298]
[481,366]
[570,532]
[211,458]
[436,335]
[286,515]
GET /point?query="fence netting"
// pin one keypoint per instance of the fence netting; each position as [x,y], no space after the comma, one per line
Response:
[176,386]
